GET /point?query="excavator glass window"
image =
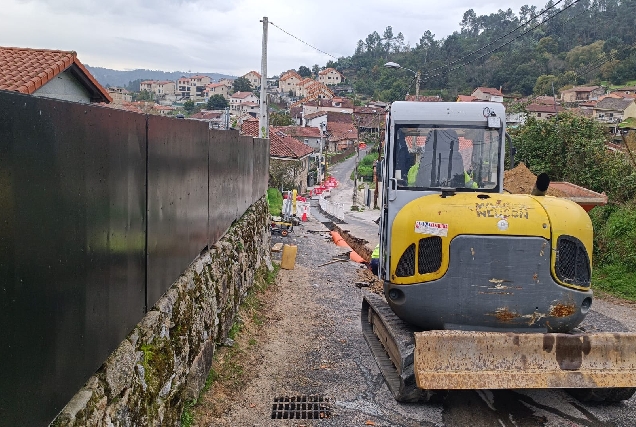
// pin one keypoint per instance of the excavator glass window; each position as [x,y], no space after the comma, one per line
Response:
[433,157]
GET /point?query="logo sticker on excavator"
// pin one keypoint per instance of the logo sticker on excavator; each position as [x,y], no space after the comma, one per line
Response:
[432,228]
[501,210]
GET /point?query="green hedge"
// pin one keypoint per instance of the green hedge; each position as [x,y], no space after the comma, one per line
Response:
[275,201]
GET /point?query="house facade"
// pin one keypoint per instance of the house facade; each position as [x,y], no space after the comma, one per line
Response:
[49,73]
[217,89]
[614,110]
[160,88]
[254,78]
[119,95]
[582,94]
[192,87]
[239,98]
[289,82]
[488,94]
[330,77]
[543,111]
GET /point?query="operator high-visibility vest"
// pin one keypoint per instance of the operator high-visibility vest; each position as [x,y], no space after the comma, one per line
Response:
[376,252]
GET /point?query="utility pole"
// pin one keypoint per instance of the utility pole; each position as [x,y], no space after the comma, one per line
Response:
[263,124]
[417,85]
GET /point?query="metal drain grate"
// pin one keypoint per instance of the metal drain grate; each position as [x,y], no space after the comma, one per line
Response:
[301,408]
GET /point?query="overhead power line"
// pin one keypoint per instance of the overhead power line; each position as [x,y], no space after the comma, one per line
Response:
[503,45]
[496,40]
[302,41]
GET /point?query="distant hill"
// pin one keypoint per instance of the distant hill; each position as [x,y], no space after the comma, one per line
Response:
[106,76]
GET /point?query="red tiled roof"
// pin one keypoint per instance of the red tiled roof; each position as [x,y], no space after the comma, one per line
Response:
[339,131]
[283,145]
[490,91]
[466,98]
[250,128]
[26,70]
[313,115]
[327,70]
[290,74]
[213,85]
[299,131]
[581,89]
[241,95]
[544,100]
[541,108]
[207,115]
[253,72]
[280,144]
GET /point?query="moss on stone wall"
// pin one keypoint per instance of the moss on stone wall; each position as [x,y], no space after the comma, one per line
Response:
[165,361]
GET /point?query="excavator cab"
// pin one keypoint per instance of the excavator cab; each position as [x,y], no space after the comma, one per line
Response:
[482,289]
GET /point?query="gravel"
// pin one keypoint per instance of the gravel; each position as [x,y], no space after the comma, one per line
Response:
[314,346]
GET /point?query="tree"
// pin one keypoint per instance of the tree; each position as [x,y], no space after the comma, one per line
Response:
[144,95]
[315,70]
[572,148]
[280,119]
[304,71]
[241,84]
[217,102]
[189,106]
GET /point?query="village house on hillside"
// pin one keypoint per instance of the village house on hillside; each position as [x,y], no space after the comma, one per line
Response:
[217,89]
[159,88]
[310,136]
[244,102]
[289,82]
[614,110]
[582,94]
[488,94]
[330,77]
[254,78]
[192,87]
[543,111]
[288,158]
[49,73]
[119,95]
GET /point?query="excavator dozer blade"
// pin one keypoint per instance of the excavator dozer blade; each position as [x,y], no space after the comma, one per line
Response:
[494,360]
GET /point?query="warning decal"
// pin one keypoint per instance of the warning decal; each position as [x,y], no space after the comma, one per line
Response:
[432,228]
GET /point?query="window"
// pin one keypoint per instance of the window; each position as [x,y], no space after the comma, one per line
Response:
[434,157]
[538,114]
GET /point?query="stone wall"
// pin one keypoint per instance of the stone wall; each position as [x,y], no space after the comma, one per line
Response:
[165,360]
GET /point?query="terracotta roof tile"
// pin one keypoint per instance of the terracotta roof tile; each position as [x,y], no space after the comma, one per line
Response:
[241,95]
[542,108]
[299,131]
[250,128]
[26,70]
[490,91]
[340,131]
[284,146]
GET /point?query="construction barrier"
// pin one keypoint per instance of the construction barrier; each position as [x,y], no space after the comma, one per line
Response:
[333,209]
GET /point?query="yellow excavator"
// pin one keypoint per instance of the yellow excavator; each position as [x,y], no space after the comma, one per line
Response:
[482,289]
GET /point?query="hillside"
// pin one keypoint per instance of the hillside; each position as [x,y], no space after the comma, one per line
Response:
[567,43]
[106,76]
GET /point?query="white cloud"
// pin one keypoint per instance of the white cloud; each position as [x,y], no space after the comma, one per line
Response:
[222,35]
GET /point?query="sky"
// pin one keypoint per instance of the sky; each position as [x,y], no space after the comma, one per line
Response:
[223,36]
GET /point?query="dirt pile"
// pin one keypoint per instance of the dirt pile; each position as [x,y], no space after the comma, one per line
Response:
[520,180]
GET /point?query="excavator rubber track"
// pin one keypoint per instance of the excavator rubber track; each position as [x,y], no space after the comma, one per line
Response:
[392,343]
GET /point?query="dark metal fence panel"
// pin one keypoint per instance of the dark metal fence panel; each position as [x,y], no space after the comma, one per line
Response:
[72,234]
[261,168]
[177,199]
[238,177]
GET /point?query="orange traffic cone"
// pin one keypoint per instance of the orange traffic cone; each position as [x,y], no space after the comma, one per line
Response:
[304,217]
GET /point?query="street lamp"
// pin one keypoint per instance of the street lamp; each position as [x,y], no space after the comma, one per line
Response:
[417,75]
